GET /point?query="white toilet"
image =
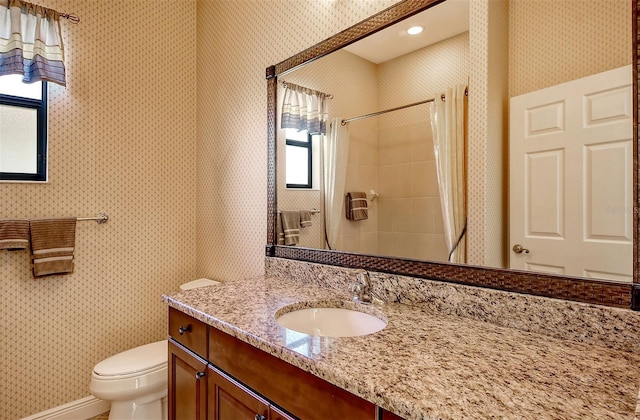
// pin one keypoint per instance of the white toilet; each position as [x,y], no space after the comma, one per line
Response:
[135,381]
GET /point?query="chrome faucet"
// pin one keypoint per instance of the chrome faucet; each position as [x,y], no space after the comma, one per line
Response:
[362,287]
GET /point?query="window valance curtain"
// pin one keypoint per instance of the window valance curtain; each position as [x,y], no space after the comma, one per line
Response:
[304,109]
[31,42]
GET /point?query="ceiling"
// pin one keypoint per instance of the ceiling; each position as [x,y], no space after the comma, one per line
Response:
[440,22]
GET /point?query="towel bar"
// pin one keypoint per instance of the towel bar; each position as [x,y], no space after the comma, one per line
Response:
[312,211]
[101,218]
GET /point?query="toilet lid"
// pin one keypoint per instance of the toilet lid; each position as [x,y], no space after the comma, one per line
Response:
[198,283]
[138,359]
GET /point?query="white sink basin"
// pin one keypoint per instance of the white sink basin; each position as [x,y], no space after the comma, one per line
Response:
[331,322]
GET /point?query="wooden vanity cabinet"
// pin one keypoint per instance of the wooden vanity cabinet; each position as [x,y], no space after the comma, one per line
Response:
[229,399]
[188,331]
[301,393]
[187,393]
[238,381]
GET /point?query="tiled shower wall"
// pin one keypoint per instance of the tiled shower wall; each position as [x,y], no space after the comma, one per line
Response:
[391,154]
[122,139]
[410,217]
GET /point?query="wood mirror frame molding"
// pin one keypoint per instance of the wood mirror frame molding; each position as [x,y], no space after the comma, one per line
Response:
[622,295]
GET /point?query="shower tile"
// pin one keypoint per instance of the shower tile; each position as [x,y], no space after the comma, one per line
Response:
[386,183]
[421,179]
[401,178]
[422,221]
[385,213]
[402,147]
[402,215]
[431,180]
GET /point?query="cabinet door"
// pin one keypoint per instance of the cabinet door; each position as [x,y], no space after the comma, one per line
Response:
[387,415]
[187,391]
[230,400]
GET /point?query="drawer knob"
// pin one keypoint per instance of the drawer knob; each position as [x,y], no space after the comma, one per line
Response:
[260,417]
[183,330]
[199,375]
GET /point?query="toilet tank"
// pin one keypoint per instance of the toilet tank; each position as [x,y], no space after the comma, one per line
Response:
[198,283]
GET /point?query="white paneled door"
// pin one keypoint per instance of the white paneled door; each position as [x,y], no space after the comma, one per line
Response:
[570,178]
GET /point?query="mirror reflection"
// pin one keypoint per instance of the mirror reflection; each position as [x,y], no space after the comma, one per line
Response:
[515,205]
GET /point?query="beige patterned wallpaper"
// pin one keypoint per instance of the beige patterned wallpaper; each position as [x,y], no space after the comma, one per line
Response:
[173,146]
[552,41]
[548,42]
[488,37]
[169,144]
[122,139]
[237,40]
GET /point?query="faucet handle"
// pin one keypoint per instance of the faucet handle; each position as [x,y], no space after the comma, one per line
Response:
[363,278]
[362,287]
[356,289]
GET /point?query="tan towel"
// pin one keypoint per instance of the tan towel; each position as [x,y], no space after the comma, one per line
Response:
[305,218]
[291,227]
[356,206]
[52,244]
[14,234]
[279,230]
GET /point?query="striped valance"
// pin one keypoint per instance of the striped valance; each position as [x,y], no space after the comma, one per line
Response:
[31,42]
[304,109]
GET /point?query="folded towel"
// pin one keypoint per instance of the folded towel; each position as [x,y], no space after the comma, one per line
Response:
[356,206]
[52,244]
[279,230]
[291,227]
[14,234]
[305,218]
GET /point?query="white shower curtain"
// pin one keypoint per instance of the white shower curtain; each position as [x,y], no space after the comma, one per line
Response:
[448,122]
[336,153]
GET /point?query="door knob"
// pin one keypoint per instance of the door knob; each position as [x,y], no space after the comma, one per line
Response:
[518,249]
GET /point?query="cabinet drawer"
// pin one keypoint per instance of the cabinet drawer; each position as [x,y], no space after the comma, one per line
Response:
[188,331]
[301,393]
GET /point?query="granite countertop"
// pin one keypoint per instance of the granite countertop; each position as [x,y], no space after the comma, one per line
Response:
[427,365]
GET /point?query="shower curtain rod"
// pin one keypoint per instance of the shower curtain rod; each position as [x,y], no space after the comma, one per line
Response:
[374,114]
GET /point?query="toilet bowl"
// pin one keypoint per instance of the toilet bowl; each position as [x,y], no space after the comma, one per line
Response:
[135,381]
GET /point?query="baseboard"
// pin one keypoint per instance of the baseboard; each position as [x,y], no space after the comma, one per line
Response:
[82,409]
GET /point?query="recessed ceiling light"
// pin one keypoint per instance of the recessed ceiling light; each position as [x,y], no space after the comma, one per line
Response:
[414,30]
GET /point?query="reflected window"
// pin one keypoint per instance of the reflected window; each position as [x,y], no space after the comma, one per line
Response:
[23,118]
[299,159]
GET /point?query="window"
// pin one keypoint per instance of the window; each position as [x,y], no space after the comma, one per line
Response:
[23,129]
[299,159]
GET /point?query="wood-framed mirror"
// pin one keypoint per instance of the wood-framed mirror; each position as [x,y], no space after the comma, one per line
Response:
[623,294]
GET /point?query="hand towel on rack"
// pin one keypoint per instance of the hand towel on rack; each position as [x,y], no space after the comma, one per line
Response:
[53,242]
[279,229]
[14,234]
[356,206]
[305,218]
[291,227]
